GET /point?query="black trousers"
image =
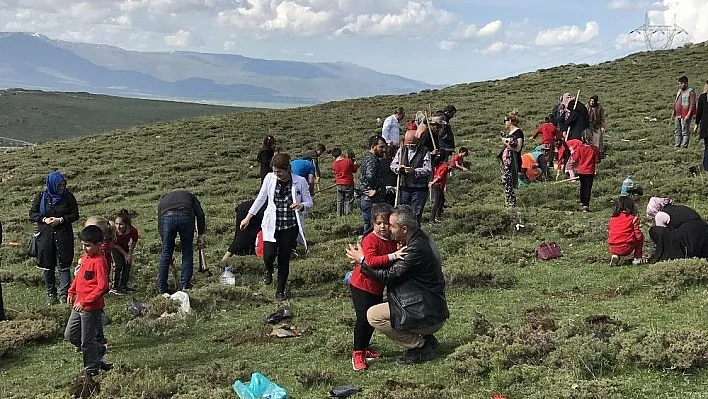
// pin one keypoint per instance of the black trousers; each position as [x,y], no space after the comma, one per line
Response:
[586,189]
[362,329]
[122,271]
[438,202]
[285,241]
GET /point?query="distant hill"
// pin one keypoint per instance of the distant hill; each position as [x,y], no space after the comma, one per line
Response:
[35,61]
[38,116]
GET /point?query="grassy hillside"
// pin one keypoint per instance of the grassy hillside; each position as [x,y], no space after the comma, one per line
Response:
[525,328]
[38,116]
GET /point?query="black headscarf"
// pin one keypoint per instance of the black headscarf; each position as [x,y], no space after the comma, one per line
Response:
[690,240]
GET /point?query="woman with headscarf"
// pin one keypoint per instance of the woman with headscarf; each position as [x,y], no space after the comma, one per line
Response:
[54,210]
[596,116]
[576,122]
[680,232]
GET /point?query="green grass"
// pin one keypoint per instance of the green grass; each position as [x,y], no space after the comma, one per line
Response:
[39,116]
[225,339]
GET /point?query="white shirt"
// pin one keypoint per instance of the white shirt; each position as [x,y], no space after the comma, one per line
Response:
[391,130]
[300,193]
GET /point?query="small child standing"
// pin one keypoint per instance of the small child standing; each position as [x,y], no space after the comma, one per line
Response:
[624,236]
[548,131]
[379,251]
[122,252]
[437,189]
[586,156]
[344,169]
[86,297]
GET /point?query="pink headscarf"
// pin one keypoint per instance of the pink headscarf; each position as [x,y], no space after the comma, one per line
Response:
[656,205]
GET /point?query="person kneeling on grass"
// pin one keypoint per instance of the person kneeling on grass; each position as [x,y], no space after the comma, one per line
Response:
[86,297]
[416,307]
[624,236]
[379,252]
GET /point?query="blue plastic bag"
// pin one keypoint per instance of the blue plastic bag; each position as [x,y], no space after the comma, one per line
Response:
[259,388]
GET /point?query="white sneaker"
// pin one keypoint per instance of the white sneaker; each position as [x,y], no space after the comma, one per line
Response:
[614,261]
[639,261]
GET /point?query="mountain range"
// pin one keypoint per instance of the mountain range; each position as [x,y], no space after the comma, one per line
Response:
[37,62]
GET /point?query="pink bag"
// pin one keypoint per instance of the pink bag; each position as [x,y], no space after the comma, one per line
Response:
[548,251]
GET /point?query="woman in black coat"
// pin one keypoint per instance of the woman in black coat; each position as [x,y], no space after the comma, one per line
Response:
[680,233]
[702,123]
[54,210]
[577,121]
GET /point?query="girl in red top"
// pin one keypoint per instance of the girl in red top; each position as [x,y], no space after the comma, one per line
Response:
[344,169]
[126,240]
[379,251]
[624,236]
[585,156]
[437,189]
[548,131]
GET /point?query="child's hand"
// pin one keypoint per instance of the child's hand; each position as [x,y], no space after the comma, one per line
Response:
[401,252]
[70,299]
[78,307]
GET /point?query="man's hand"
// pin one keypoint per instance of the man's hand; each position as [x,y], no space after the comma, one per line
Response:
[297,207]
[400,253]
[49,220]
[129,257]
[200,241]
[370,193]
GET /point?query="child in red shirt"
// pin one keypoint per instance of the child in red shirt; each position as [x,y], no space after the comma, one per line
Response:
[86,297]
[122,253]
[457,160]
[585,156]
[379,251]
[624,236]
[437,189]
[344,169]
[548,131]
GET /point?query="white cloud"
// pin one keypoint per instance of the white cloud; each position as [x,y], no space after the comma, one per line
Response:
[631,41]
[490,29]
[628,5]
[413,18]
[446,45]
[691,15]
[498,47]
[183,38]
[567,35]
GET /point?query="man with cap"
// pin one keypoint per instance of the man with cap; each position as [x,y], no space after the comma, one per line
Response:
[413,164]
[683,111]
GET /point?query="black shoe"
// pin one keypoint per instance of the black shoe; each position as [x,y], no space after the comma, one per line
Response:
[268,278]
[418,355]
[91,372]
[280,296]
[62,299]
[187,287]
[106,366]
[432,340]
[52,300]
[102,349]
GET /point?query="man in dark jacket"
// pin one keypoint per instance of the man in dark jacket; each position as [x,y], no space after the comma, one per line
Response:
[447,138]
[176,212]
[577,121]
[371,181]
[412,162]
[416,307]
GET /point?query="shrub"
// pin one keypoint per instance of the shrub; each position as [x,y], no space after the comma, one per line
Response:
[598,326]
[584,357]
[680,349]
[16,333]
[669,277]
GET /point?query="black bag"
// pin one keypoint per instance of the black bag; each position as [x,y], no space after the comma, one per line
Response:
[32,250]
[343,391]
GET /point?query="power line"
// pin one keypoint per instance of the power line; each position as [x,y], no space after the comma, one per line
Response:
[658,37]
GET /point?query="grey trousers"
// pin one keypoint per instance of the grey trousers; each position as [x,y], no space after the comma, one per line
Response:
[682,132]
[81,332]
[345,200]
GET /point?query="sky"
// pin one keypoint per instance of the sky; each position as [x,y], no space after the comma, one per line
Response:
[436,41]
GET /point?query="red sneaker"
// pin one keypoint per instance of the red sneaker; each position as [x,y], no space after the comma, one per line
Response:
[359,360]
[371,355]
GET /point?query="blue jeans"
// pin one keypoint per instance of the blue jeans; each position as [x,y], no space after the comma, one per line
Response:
[174,223]
[365,206]
[416,199]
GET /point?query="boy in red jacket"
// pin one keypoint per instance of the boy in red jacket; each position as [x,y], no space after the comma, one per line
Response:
[624,236]
[586,156]
[437,189]
[86,297]
[379,251]
[548,131]
[344,169]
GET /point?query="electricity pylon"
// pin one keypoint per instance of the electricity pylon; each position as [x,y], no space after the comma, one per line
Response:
[659,37]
